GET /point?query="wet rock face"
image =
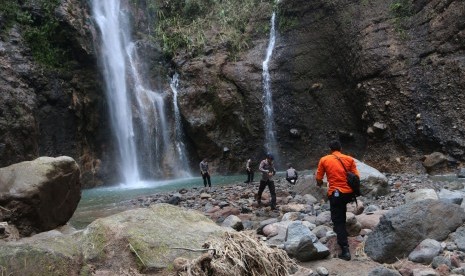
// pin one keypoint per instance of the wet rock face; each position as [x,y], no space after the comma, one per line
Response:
[408,69]
[384,81]
[49,110]
[18,100]
[387,82]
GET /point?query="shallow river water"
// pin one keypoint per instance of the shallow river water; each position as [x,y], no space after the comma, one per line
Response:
[101,202]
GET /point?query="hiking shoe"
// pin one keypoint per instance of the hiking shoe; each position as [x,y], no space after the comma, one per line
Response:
[345,254]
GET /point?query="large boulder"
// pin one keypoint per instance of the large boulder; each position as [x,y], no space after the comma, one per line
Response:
[373,182]
[145,239]
[436,162]
[307,185]
[39,195]
[402,229]
[48,253]
[152,237]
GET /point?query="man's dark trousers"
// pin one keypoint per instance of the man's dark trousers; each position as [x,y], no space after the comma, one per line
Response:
[206,176]
[338,208]
[249,176]
[261,188]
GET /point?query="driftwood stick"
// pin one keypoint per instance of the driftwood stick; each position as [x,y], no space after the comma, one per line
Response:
[3,208]
[135,252]
[196,250]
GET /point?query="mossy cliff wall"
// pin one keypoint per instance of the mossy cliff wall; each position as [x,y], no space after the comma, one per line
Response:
[385,77]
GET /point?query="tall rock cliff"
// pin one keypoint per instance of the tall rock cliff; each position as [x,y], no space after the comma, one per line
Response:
[382,76]
[50,97]
[385,77]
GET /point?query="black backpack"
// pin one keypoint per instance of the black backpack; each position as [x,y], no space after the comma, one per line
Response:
[352,179]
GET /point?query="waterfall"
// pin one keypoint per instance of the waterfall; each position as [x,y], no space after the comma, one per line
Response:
[270,135]
[150,146]
[179,135]
[114,34]
[150,105]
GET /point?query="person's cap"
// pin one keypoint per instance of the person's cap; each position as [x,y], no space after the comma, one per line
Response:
[270,156]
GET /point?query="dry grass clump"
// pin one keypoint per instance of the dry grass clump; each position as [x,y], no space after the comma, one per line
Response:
[237,254]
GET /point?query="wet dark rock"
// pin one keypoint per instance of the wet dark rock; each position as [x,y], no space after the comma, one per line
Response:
[174,200]
[392,238]
[39,195]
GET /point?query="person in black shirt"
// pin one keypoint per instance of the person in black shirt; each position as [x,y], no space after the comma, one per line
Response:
[249,171]
[205,172]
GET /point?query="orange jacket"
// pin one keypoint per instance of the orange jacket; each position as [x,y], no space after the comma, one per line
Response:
[335,173]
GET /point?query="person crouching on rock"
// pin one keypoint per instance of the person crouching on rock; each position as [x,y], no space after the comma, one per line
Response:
[268,170]
[291,174]
[339,192]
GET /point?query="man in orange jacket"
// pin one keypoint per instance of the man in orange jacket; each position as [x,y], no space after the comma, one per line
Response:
[339,192]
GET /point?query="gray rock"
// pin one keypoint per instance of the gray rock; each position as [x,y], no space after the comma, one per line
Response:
[459,238]
[373,183]
[274,229]
[309,225]
[425,252]
[421,194]
[393,237]
[321,230]
[277,240]
[175,199]
[268,221]
[424,272]
[42,194]
[323,218]
[459,270]
[234,222]
[439,260]
[302,244]
[291,216]
[383,271]
[322,271]
[310,199]
[353,227]
[435,161]
[455,197]
[371,209]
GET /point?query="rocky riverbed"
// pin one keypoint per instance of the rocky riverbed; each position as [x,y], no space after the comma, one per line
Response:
[235,206]
[404,224]
[242,196]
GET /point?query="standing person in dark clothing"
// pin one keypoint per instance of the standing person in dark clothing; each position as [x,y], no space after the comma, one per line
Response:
[205,172]
[249,171]
[268,171]
[339,191]
[291,174]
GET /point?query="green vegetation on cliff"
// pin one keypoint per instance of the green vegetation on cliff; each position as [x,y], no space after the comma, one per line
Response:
[40,29]
[401,10]
[196,24]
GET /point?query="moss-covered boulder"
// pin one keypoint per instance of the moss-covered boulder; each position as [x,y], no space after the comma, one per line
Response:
[147,238]
[52,255]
